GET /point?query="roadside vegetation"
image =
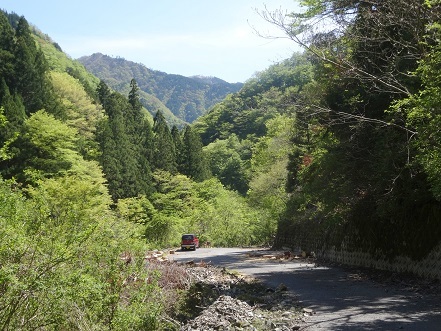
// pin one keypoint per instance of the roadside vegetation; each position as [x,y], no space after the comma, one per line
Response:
[340,144]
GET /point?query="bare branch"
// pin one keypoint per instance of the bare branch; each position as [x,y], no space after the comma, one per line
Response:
[390,18]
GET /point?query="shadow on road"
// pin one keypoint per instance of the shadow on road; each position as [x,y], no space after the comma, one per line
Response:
[339,299]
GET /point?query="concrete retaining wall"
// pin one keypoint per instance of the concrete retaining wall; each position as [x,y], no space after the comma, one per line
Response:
[309,239]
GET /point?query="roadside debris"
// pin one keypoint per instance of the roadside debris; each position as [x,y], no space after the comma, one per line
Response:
[282,255]
[230,301]
[218,299]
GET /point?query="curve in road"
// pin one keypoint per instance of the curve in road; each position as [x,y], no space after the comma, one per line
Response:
[340,300]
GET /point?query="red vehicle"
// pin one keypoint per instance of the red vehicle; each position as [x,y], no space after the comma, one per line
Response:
[189,241]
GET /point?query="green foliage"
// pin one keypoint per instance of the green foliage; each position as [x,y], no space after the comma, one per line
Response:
[232,222]
[30,72]
[267,192]
[125,143]
[6,49]
[46,147]
[227,162]
[80,111]
[270,93]
[193,163]
[164,150]
[422,115]
[61,266]
[14,112]
[355,171]
[181,205]
[59,62]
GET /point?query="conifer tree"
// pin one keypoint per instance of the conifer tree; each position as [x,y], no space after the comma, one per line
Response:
[164,151]
[193,162]
[134,95]
[103,92]
[6,49]
[30,70]
[13,110]
[177,139]
[125,138]
[140,133]
[123,153]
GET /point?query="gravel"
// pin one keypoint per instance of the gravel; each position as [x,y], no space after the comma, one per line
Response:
[241,303]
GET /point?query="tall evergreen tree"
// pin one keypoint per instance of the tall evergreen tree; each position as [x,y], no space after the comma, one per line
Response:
[164,151]
[6,49]
[123,144]
[30,73]
[141,135]
[103,93]
[13,110]
[124,152]
[177,139]
[134,95]
[193,161]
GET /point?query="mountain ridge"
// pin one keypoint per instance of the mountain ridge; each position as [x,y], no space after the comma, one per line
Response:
[187,98]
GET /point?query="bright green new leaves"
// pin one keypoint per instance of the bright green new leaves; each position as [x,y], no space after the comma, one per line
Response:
[61,261]
[267,192]
[225,159]
[424,118]
[81,112]
[181,205]
[48,146]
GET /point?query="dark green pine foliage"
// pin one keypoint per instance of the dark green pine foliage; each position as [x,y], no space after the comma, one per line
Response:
[103,93]
[109,159]
[179,145]
[134,96]
[11,102]
[30,73]
[141,136]
[127,173]
[164,151]
[193,162]
[6,50]
[14,111]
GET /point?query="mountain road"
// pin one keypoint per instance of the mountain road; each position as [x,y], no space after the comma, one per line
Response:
[338,298]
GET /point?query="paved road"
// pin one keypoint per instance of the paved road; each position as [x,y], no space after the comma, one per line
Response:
[340,300]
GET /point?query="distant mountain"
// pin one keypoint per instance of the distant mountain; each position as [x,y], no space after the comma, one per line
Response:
[187,98]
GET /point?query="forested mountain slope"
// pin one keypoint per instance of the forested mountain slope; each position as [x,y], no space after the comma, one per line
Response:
[89,183]
[336,149]
[363,171]
[186,97]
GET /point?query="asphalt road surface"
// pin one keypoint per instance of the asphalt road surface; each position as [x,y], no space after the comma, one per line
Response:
[339,298]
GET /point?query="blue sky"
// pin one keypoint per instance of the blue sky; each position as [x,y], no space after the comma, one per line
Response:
[186,37]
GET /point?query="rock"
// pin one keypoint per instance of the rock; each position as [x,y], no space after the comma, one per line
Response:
[308,311]
[238,303]
[224,313]
[281,288]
